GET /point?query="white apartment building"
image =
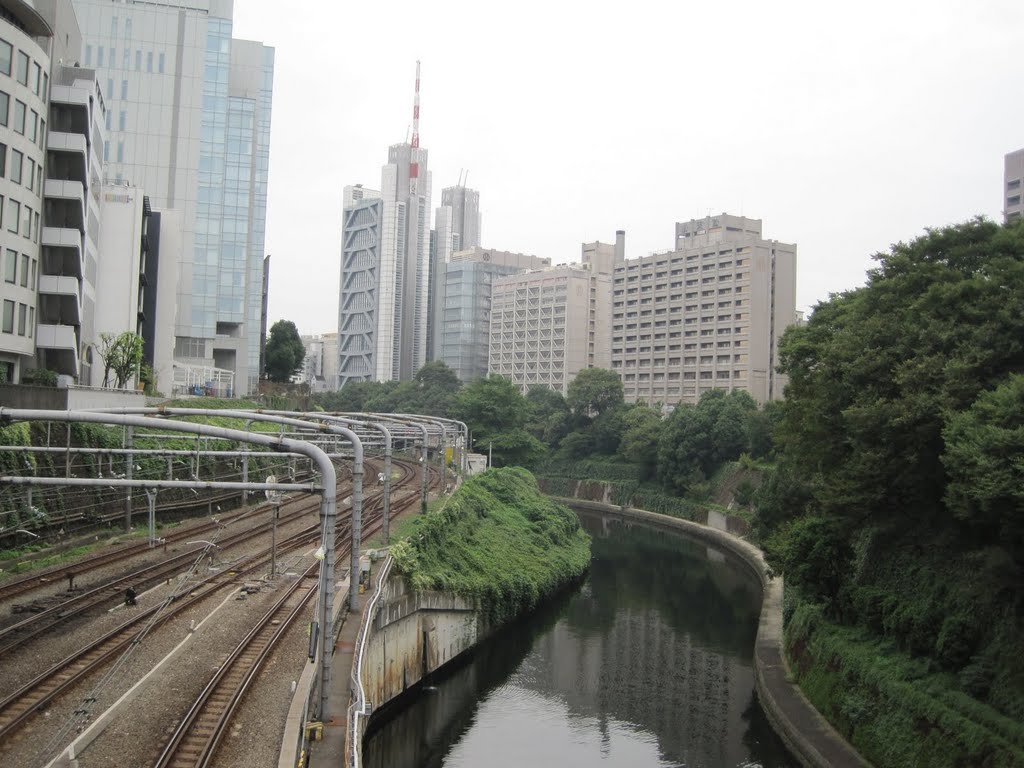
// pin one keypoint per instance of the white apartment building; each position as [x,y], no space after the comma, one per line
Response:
[707,315]
[188,121]
[24,86]
[1013,186]
[548,325]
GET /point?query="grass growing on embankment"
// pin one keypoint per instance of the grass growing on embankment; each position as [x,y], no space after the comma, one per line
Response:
[890,706]
[497,540]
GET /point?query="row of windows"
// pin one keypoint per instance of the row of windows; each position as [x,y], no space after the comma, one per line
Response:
[26,71]
[107,57]
[20,218]
[679,260]
[26,317]
[686,375]
[21,170]
[12,273]
[25,121]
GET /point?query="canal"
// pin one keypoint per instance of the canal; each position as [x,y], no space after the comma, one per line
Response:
[648,662]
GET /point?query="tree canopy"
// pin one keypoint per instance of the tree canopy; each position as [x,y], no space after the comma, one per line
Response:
[285,352]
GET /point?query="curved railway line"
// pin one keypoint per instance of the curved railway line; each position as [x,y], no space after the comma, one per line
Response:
[17,707]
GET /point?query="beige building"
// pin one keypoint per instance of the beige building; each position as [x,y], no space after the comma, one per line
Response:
[707,315]
[548,325]
[1013,181]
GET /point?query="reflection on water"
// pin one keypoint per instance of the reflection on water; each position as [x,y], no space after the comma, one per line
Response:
[648,663]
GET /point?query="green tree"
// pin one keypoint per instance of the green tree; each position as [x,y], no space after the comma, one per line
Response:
[121,355]
[285,352]
[495,411]
[641,430]
[549,418]
[594,391]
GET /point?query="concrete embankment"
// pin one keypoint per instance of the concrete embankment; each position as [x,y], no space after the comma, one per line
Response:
[811,739]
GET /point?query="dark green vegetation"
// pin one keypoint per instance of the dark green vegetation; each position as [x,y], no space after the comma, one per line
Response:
[498,540]
[895,509]
[285,352]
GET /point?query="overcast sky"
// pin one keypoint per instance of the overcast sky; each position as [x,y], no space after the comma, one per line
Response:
[845,128]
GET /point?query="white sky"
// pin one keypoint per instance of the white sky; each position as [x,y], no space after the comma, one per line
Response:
[844,127]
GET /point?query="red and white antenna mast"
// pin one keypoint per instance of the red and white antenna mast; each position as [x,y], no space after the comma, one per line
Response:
[414,166]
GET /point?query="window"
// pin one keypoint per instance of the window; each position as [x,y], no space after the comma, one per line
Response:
[99,56]
[42,132]
[35,227]
[5,107]
[106,151]
[46,84]
[160,64]
[109,119]
[138,60]
[149,61]
[124,87]
[6,51]
[26,222]
[22,311]
[128,27]
[16,158]
[122,119]
[19,117]
[31,320]
[22,68]
[8,326]
[113,57]
[120,151]
[11,267]
[113,26]
[127,59]
[35,78]
[3,160]
[110,88]
[33,273]
[30,174]
[33,118]
[88,55]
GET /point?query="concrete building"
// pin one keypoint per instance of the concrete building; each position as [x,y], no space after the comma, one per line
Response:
[385,269]
[548,325]
[462,315]
[456,228]
[707,315]
[25,42]
[1013,186]
[188,121]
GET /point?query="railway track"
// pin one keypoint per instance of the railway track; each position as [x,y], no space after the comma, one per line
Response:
[17,707]
[81,567]
[196,739]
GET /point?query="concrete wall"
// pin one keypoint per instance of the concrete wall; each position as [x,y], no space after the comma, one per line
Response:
[75,398]
[412,635]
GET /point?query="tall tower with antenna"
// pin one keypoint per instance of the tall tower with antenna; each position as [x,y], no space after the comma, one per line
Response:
[414,166]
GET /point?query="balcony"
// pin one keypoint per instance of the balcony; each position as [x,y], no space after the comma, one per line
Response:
[62,237]
[58,298]
[70,193]
[59,346]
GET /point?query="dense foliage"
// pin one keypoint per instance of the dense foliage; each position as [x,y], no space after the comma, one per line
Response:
[498,540]
[896,504]
[285,352]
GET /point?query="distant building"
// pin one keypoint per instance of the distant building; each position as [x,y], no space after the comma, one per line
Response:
[1013,181]
[385,269]
[456,228]
[462,317]
[707,315]
[548,325]
[318,350]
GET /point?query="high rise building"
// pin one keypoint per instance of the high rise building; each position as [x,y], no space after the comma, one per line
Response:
[1013,181]
[385,268]
[548,325]
[707,315]
[456,228]
[463,320]
[188,120]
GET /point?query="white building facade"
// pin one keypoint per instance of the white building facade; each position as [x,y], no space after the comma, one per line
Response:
[1013,186]
[188,121]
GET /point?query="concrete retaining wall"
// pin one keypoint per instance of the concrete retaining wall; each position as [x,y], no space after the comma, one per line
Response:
[413,635]
[811,739]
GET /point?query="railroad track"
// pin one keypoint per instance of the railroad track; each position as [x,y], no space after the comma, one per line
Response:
[17,707]
[196,739]
[47,576]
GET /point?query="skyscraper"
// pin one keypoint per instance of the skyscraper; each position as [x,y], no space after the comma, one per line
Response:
[456,228]
[188,120]
[1013,179]
[385,268]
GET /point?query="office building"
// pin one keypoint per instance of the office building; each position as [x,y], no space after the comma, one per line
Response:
[188,121]
[456,228]
[1013,186]
[548,325]
[707,315]
[385,269]
[462,318]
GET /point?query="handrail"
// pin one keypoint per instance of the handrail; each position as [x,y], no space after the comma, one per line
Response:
[359,707]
